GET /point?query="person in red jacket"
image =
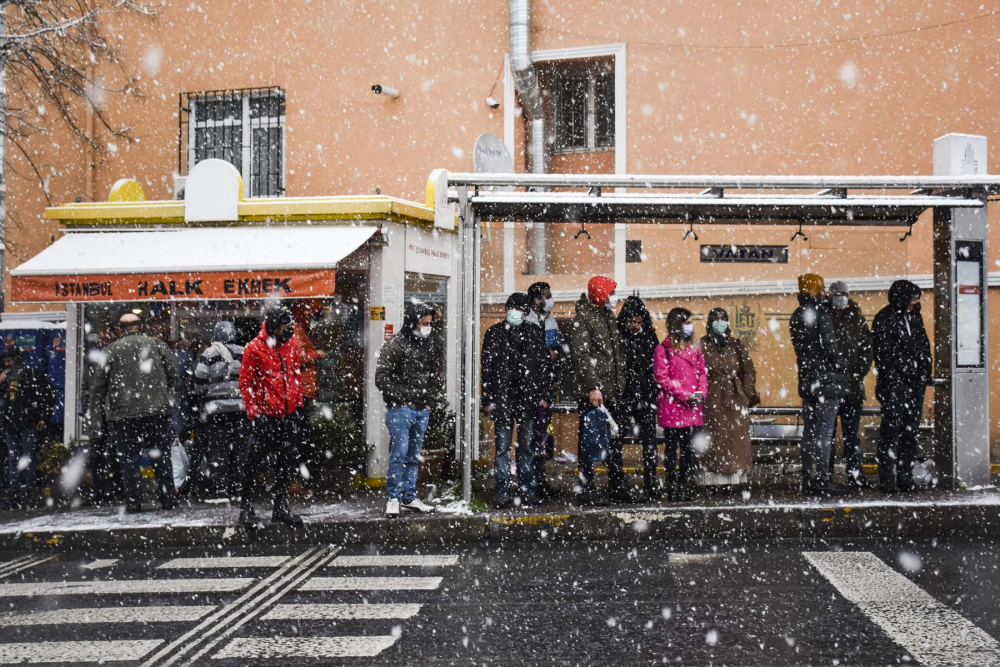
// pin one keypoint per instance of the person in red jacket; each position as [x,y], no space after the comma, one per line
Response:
[269,384]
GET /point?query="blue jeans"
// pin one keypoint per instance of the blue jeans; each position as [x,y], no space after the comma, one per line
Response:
[819,421]
[406,438]
[21,444]
[526,482]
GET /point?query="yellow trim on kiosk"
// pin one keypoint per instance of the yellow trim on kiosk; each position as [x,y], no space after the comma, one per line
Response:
[271,209]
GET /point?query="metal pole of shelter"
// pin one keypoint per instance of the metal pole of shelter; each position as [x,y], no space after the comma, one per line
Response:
[467,432]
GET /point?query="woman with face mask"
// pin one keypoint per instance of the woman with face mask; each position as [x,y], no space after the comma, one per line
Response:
[732,391]
[679,367]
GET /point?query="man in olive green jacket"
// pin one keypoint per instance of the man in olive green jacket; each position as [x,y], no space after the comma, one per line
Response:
[599,370]
[133,395]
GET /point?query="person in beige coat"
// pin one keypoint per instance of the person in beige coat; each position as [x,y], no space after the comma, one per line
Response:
[732,391]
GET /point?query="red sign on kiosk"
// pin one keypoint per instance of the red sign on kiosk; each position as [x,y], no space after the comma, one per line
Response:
[234,285]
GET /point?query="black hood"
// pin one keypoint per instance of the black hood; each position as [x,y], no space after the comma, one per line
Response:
[634,307]
[414,312]
[901,293]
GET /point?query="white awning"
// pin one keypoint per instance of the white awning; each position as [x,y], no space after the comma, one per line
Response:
[197,250]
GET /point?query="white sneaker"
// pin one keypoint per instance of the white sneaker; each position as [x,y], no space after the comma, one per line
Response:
[392,507]
[418,506]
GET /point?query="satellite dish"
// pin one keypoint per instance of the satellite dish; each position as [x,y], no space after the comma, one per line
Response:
[490,156]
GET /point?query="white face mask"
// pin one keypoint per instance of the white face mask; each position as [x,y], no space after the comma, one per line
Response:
[515,317]
[612,300]
[839,301]
[550,303]
[688,330]
[720,327]
[424,331]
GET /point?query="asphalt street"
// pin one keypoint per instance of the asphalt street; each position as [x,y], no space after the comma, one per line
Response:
[705,603]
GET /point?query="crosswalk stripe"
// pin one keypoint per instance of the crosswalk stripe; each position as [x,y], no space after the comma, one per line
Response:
[81,615]
[289,584]
[189,640]
[100,563]
[305,647]
[331,612]
[933,633]
[7,565]
[26,565]
[688,559]
[124,587]
[371,584]
[222,562]
[76,652]
[395,561]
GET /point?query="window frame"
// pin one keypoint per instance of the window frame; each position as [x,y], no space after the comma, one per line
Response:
[247,126]
[565,72]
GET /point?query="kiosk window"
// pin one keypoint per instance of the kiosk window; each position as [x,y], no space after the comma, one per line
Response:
[969,304]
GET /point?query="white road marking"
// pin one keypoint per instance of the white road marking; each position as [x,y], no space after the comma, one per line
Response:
[933,633]
[116,587]
[25,565]
[395,561]
[231,610]
[688,559]
[82,651]
[230,561]
[331,612]
[89,615]
[302,573]
[98,564]
[372,584]
[10,564]
[305,647]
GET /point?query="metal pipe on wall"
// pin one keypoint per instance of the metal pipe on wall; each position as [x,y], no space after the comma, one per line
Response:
[533,103]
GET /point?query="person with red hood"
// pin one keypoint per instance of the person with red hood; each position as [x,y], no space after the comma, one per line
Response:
[272,395]
[600,378]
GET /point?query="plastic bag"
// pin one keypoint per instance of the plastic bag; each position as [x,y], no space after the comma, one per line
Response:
[180,461]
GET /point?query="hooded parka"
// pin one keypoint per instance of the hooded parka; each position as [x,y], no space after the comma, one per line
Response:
[854,339]
[269,376]
[902,350]
[517,370]
[732,391]
[637,352]
[408,371]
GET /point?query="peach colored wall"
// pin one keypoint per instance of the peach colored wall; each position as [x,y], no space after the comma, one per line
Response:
[713,87]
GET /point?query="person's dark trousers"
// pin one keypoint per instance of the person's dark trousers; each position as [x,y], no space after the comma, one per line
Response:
[850,423]
[644,418]
[677,440]
[106,471]
[130,437]
[280,437]
[223,440]
[897,447]
[819,421]
[615,463]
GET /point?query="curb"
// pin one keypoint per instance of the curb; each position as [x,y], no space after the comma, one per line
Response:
[917,521]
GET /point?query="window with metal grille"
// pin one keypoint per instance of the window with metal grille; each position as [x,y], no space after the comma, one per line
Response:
[583,106]
[245,127]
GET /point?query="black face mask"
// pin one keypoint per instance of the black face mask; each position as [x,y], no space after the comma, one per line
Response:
[284,336]
[916,309]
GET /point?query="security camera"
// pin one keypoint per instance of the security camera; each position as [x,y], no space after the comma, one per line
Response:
[385,90]
[493,102]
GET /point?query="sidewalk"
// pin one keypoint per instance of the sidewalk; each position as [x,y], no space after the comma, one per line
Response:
[774,514]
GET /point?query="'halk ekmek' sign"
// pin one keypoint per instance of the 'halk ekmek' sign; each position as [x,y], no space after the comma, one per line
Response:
[171,286]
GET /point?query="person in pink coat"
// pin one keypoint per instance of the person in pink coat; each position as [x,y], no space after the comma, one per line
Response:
[680,373]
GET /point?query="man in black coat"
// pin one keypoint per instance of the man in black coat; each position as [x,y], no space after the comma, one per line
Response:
[517,376]
[823,382]
[903,362]
[637,408]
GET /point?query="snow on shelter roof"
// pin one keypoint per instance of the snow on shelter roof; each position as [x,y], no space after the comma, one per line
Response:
[197,250]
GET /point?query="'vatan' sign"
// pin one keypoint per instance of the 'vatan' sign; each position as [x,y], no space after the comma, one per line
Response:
[170,286]
[751,254]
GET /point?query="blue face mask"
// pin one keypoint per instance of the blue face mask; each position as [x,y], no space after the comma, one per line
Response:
[688,330]
[720,327]
[515,317]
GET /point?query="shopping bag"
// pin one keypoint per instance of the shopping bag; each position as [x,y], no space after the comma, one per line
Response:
[180,461]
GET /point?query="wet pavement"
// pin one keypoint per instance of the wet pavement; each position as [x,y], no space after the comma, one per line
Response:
[684,603]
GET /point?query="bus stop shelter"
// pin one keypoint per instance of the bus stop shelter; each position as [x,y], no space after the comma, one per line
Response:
[959,217]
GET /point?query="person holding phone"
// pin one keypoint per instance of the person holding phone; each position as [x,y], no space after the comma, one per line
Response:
[679,367]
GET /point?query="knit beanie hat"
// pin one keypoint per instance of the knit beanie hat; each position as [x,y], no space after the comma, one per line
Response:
[599,289]
[811,284]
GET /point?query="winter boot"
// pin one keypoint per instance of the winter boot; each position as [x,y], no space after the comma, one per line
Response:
[282,514]
[249,518]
